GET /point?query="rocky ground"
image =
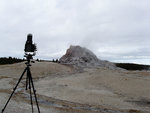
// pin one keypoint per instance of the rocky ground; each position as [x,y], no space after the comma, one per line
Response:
[62,89]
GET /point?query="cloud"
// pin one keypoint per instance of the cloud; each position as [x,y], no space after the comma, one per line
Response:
[113,30]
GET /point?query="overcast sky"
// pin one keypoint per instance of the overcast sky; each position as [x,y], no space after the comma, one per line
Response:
[115,30]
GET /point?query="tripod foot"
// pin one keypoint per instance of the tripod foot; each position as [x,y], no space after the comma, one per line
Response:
[2,110]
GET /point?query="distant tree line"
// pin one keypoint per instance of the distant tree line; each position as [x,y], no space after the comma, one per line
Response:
[130,66]
[10,60]
[56,61]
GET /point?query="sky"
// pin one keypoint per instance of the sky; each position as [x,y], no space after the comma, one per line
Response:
[115,30]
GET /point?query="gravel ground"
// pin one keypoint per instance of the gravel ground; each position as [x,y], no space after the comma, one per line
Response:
[61,90]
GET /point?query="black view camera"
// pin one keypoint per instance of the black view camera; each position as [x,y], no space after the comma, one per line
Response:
[30,48]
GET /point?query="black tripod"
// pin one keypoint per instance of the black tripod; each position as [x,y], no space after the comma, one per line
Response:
[29,81]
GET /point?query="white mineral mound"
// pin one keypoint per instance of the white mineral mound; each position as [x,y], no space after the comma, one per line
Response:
[82,57]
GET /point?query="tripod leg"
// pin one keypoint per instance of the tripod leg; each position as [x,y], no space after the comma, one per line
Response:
[31,94]
[14,90]
[34,91]
[27,78]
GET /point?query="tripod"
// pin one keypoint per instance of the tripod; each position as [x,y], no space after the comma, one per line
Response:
[29,81]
